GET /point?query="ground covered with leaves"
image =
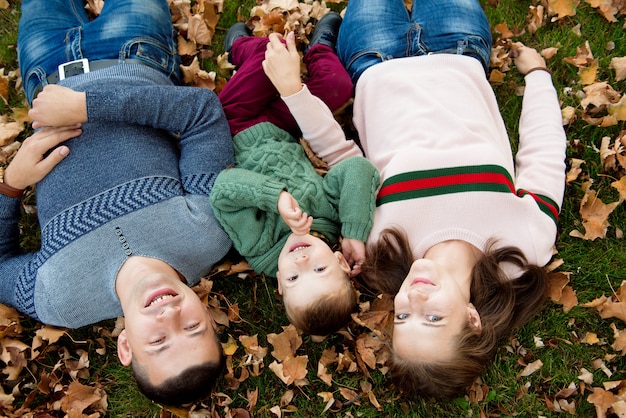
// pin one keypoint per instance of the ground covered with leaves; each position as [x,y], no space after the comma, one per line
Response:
[569,361]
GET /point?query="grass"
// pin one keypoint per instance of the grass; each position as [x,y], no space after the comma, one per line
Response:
[596,268]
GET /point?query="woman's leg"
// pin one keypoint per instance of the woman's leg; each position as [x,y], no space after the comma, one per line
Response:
[451,26]
[372,31]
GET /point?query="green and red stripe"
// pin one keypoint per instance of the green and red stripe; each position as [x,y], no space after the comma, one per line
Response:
[482,178]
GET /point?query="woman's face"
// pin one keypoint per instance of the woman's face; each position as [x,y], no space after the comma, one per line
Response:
[431,309]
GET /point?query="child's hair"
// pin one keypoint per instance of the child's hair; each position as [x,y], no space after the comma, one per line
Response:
[503,305]
[325,315]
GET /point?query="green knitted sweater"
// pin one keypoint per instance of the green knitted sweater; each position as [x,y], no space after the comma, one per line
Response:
[269,160]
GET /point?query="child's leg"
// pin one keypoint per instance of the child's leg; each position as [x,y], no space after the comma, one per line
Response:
[249,97]
[453,26]
[372,31]
[327,78]
[41,45]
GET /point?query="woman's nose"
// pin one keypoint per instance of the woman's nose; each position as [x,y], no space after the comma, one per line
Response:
[417,295]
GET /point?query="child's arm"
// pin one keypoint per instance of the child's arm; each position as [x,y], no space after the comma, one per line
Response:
[316,121]
[299,222]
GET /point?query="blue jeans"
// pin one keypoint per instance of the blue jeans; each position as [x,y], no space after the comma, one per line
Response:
[52,32]
[374,31]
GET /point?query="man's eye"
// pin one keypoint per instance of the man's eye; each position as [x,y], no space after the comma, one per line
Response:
[402,316]
[319,269]
[433,318]
[157,341]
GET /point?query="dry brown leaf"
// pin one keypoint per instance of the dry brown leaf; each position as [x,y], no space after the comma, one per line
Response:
[286,343]
[602,400]
[530,368]
[562,8]
[606,7]
[619,65]
[9,131]
[595,215]
[79,397]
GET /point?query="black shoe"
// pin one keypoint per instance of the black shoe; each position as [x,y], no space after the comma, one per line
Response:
[326,31]
[235,32]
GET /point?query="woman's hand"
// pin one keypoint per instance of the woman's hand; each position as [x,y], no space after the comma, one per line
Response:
[58,106]
[299,222]
[353,251]
[282,64]
[29,165]
[527,59]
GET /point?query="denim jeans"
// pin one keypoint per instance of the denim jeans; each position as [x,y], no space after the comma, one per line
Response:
[374,31]
[52,32]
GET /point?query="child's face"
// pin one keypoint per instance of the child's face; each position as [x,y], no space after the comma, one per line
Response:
[308,269]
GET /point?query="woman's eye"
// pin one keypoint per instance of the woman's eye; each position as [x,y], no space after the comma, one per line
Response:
[192,327]
[433,318]
[402,316]
[319,269]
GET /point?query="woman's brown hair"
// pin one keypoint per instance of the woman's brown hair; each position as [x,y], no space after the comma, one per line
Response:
[502,303]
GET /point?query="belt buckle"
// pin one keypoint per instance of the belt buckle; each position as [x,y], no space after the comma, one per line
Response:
[84,66]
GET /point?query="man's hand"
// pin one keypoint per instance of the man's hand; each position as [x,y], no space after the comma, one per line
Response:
[527,59]
[58,106]
[299,222]
[354,252]
[282,64]
[29,165]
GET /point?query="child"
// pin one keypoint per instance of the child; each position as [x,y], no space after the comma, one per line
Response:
[264,202]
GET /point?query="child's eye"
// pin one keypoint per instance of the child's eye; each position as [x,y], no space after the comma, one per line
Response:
[292,278]
[433,318]
[402,316]
[319,269]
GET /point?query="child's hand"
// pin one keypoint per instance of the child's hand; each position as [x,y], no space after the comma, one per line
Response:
[527,59]
[58,106]
[282,64]
[299,222]
[354,252]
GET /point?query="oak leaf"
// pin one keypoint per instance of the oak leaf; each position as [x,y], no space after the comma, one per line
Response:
[562,8]
[602,400]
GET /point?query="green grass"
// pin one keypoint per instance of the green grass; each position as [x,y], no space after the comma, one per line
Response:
[595,266]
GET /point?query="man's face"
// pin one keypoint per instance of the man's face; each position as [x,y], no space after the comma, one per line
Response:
[167,328]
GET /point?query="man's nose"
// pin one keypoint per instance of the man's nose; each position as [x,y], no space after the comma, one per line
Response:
[169,311]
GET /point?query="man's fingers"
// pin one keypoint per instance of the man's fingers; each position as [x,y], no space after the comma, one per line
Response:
[46,165]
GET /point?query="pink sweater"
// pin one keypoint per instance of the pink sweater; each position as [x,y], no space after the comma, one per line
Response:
[432,127]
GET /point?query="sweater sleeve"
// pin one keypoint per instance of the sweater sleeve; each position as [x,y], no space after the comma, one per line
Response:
[540,160]
[320,128]
[12,260]
[193,115]
[246,205]
[352,186]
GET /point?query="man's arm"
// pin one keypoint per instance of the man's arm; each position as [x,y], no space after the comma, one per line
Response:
[194,115]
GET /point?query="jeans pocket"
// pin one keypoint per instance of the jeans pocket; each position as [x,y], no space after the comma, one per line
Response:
[153,53]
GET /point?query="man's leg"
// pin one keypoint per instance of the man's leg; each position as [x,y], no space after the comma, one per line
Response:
[41,46]
[372,31]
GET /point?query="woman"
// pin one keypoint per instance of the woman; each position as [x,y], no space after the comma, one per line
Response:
[461,229]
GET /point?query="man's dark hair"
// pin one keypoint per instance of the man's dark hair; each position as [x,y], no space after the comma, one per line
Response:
[192,384]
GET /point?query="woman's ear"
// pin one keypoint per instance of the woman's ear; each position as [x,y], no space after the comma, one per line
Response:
[474,317]
[124,352]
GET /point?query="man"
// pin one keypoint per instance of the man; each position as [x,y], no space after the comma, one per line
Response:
[124,161]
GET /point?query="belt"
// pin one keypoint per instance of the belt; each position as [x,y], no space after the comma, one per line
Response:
[81,66]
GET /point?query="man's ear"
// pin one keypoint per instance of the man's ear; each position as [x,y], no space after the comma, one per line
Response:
[343,263]
[474,317]
[123,349]
[280,287]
